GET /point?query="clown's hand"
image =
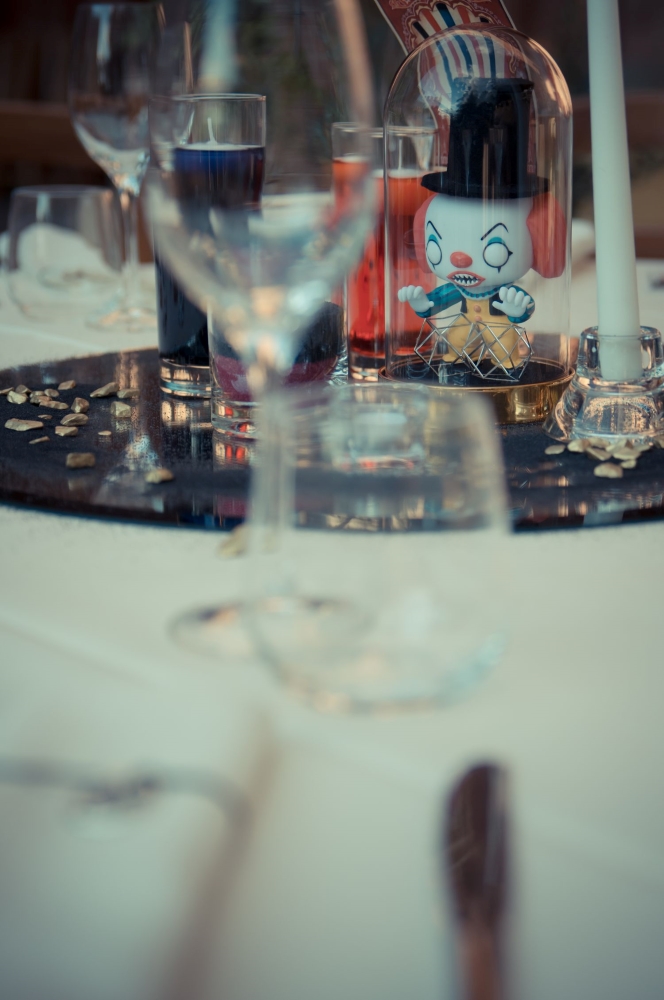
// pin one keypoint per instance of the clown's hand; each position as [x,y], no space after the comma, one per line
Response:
[416,296]
[513,302]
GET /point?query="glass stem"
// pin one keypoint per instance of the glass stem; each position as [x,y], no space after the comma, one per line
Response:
[129,204]
[272,485]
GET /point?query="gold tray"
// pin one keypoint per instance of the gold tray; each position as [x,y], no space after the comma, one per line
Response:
[515,403]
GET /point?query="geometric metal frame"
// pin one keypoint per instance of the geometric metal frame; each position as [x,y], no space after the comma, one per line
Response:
[483,343]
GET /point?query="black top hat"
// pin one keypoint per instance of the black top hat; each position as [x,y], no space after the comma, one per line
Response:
[488,150]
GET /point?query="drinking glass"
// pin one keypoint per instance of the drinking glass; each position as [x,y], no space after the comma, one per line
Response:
[364,292]
[113,46]
[212,148]
[263,271]
[65,249]
[398,582]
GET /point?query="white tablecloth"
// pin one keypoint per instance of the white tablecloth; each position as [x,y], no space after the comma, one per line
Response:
[337,893]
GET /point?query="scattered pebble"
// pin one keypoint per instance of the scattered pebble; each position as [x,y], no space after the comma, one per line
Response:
[578,445]
[80,405]
[235,543]
[53,404]
[13,424]
[67,385]
[629,464]
[104,434]
[5,392]
[66,432]
[17,397]
[39,440]
[38,397]
[44,416]
[608,470]
[53,393]
[74,420]
[80,460]
[554,449]
[127,393]
[23,389]
[159,476]
[601,454]
[120,410]
[109,389]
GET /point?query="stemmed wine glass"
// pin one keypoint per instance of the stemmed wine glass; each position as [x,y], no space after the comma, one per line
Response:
[262,272]
[113,49]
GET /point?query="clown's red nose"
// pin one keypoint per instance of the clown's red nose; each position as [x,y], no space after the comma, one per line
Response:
[460,259]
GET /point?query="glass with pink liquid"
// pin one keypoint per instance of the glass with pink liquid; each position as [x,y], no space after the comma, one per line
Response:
[364,293]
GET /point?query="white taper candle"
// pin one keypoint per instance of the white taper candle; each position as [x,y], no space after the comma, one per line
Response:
[617,299]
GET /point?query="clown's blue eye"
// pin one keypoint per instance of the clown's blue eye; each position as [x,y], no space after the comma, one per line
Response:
[434,253]
[496,253]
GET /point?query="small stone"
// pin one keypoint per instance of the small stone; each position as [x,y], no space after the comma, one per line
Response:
[104,434]
[45,416]
[23,389]
[120,410]
[13,424]
[37,397]
[159,476]
[109,389]
[80,405]
[625,454]
[644,446]
[236,542]
[80,460]
[53,404]
[597,442]
[127,393]
[615,445]
[629,464]
[53,393]
[599,453]
[5,392]
[74,420]
[579,445]
[70,384]
[608,470]
[39,440]
[659,442]
[554,449]
[66,432]
[17,397]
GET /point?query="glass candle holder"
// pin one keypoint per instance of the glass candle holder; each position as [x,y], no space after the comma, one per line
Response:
[478,204]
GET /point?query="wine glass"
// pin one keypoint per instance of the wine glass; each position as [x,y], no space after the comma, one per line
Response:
[403,597]
[263,270]
[113,48]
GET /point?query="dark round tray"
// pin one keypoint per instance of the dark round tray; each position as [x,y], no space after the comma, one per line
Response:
[212,474]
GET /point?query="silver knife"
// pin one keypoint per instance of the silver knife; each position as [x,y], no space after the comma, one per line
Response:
[475,848]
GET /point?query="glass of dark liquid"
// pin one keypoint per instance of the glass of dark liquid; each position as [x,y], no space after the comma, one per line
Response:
[215,148]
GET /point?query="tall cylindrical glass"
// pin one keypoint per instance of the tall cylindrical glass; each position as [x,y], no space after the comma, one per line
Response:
[212,149]
[364,290]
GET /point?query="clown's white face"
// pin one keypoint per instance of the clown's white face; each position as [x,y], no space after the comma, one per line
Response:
[478,244]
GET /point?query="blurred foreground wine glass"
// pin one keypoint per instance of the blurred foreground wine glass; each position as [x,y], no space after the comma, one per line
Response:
[113,51]
[263,264]
[394,549]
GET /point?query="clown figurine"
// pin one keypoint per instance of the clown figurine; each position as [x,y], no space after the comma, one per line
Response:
[489,221]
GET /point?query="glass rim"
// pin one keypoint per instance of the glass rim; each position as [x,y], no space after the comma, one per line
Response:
[123,3]
[61,190]
[210,97]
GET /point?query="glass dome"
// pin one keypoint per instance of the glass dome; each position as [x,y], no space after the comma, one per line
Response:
[478,132]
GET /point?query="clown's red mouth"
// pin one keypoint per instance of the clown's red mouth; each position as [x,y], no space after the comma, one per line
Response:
[465,279]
